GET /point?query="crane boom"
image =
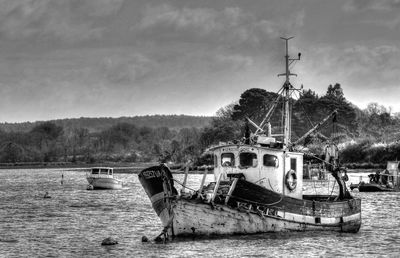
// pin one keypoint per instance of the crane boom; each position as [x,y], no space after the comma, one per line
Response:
[315,127]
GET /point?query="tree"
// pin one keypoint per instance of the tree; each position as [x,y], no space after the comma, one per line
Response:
[11,152]
[48,130]
[222,128]
[335,91]
[45,137]
[253,103]
[376,121]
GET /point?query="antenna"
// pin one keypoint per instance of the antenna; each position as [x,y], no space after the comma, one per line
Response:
[289,61]
[287,87]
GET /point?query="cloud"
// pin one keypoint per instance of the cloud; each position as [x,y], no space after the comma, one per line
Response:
[231,25]
[100,8]
[358,66]
[384,13]
[66,20]
[376,64]
[122,69]
[203,20]
[236,62]
[391,24]
[367,5]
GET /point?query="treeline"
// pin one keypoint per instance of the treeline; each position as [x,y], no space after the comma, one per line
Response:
[365,138]
[123,142]
[369,136]
[368,154]
[103,123]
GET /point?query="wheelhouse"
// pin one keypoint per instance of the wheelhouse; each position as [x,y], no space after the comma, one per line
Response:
[275,169]
[102,171]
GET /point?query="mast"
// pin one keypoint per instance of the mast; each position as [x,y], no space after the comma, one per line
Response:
[287,131]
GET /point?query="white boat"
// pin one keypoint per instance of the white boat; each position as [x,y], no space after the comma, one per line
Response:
[102,178]
[257,188]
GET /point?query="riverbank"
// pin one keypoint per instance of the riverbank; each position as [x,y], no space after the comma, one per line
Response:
[116,165]
[119,167]
[129,167]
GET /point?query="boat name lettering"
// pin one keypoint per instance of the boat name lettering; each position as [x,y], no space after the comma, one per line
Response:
[151,174]
[229,149]
[245,149]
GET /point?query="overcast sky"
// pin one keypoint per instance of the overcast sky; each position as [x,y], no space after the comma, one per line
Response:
[112,58]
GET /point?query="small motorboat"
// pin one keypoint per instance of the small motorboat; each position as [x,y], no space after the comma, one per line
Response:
[372,187]
[386,181]
[102,178]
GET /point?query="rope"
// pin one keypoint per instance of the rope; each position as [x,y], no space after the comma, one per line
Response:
[239,198]
[270,185]
[184,186]
[305,113]
[333,187]
[315,188]
[253,202]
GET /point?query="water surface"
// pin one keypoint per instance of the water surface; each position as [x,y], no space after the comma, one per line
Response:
[74,221]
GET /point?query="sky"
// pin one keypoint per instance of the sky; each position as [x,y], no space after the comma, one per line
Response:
[112,58]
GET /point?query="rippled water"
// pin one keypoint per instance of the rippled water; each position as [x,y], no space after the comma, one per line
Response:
[74,222]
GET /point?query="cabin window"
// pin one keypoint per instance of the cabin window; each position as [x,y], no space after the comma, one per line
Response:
[104,171]
[215,161]
[293,164]
[248,159]
[270,160]
[95,171]
[227,159]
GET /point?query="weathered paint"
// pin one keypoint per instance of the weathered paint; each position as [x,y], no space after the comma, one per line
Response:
[220,219]
[245,208]
[272,178]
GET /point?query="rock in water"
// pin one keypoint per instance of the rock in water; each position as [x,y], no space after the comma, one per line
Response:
[109,241]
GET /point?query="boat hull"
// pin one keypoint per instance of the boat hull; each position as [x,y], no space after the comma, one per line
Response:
[105,183]
[223,220]
[249,209]
[375,188]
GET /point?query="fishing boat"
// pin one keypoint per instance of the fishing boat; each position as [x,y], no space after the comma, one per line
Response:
[386,181]
[257,188]
[102,178]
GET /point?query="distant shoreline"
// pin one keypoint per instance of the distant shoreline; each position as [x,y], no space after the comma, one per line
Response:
[119,167]
[34,165]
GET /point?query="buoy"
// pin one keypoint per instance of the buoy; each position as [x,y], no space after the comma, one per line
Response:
[46,195]
[145,239]
[158,239]
[90,187]
[109,241]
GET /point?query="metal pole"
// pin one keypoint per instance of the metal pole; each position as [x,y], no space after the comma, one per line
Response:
[231,190]
[185,177]
[203,180]
[216,187]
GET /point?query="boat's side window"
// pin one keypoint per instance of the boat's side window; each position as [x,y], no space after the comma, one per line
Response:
[227,159]
[95,171]
[248,159]
[293,164]
[104,171]
[215,161]
[270,161]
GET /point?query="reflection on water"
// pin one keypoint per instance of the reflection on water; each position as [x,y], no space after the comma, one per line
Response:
[74,221]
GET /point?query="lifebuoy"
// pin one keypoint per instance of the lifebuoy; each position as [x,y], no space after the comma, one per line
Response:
[226,164]
[291,184]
